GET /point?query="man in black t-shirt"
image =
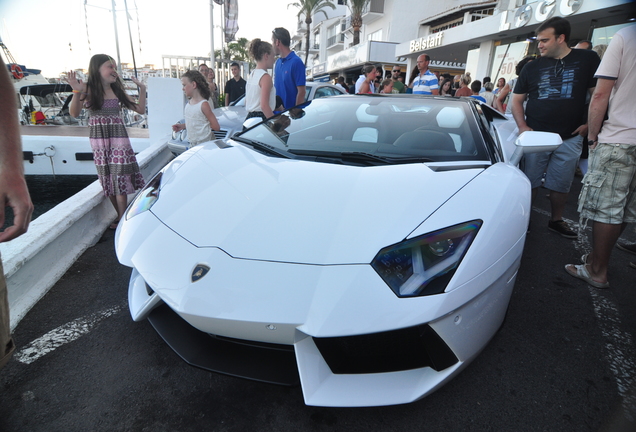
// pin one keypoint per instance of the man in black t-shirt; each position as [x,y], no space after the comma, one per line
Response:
[235,87]
[556,85]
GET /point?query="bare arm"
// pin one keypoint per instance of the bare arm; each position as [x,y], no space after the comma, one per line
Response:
[518,113]
[79,94]
[266,85]
[300,97]
[13,188]
[207,112]
[501,96]
[598,107]
[141,103]
[365,88]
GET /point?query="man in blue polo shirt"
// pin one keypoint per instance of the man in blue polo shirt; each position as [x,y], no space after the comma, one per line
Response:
[426,81]
[289,71]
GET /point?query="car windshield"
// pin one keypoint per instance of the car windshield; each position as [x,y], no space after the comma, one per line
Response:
[374,130]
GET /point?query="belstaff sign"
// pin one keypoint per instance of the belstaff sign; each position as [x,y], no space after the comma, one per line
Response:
[426,42]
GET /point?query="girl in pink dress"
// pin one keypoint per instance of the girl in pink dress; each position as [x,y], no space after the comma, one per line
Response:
[104,97]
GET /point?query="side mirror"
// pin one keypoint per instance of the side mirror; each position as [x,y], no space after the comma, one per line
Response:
[251,122]
[534,142]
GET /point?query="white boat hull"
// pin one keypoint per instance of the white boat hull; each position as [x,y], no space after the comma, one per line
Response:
[66,150]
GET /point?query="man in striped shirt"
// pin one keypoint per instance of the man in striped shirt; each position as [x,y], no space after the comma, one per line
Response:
[426,82]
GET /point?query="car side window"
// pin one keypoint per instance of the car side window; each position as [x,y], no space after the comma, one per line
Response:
[324,92]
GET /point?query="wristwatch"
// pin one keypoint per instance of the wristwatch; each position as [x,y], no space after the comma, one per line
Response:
[591,142]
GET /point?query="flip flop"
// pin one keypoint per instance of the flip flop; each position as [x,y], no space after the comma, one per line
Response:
[581,272]
[584,258]
[113,226]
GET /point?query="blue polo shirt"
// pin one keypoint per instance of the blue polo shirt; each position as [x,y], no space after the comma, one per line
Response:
[289,73]
[425,83]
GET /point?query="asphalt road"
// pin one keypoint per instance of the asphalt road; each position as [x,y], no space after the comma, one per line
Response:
[564,360]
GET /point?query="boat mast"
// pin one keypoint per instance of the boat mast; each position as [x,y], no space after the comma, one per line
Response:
[8,55]
[132,49]
[116,38]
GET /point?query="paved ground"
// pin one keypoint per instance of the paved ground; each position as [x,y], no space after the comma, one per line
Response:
[563,361]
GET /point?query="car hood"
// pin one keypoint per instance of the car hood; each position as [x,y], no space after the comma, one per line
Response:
[230,117]
[266,208]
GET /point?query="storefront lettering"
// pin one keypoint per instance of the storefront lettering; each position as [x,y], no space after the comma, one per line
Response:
[426,42]
[545,9]
[447,64]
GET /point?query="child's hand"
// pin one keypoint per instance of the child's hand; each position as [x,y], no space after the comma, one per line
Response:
[136,81]
[75,83]
[178,127]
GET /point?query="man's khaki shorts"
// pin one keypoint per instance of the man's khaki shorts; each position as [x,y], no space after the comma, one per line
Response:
[609,187]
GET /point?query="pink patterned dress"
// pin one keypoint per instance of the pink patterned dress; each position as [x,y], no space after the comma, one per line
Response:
[117,167]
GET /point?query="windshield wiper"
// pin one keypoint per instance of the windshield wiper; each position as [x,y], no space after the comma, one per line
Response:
[265,147]
[383,159]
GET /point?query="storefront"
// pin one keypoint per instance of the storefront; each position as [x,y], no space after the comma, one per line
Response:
[493,45]
[348,63]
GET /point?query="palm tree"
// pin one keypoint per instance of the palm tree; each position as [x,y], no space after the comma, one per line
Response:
[357,7]
[309,8]
[236,51]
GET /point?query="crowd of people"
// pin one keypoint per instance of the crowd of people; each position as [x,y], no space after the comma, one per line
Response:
[592,112]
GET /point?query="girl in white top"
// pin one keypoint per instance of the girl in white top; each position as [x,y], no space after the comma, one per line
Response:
[260,94]
[199,118]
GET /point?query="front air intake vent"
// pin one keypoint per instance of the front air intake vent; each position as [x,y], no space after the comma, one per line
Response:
[396,350]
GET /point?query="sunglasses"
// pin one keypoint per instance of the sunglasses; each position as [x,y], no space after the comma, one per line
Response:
[276,36]
[559,67]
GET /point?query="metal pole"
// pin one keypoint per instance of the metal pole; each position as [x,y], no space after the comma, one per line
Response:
[132,49]
[223,16]
[212,59]
[116,38]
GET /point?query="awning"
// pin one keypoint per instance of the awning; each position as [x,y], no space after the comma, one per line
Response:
[44,89]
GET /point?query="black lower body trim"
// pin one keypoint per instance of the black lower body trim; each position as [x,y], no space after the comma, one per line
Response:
[257,361]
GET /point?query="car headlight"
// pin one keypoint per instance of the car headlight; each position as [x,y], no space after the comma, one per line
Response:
[146,198]
[424,265]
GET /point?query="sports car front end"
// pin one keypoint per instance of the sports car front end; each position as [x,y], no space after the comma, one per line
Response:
[368,278]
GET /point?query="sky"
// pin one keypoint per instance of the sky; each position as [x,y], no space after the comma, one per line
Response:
[38,32]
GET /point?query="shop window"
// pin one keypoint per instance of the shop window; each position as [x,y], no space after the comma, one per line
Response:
[603,35]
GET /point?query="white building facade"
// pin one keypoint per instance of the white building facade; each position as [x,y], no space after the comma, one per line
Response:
[485,38]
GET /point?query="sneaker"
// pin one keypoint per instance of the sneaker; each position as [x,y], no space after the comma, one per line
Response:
[631,248]
[560,227]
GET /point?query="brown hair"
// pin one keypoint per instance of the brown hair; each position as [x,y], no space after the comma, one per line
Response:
[202,84]
[258,48]
[95,89]
[385,83]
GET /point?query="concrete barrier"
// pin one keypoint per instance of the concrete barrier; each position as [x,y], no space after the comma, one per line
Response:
[35,261]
